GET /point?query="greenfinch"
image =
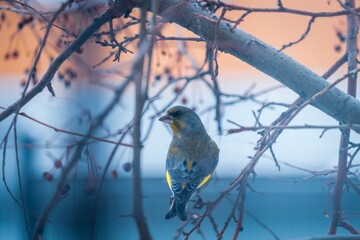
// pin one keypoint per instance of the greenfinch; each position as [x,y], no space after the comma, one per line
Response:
[191,160]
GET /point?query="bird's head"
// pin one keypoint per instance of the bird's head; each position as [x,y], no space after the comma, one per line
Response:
[183,120]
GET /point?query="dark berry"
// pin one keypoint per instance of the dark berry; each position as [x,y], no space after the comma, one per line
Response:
[127,167]
[114,174]
[67,83]
[184,100]
[57,164]
[48,176]
[61,76]
[337,48]
[177,89]
[158,77]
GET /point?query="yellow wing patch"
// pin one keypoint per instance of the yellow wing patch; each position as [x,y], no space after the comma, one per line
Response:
[189,165]
[168,179]
[205,180]
[183,185]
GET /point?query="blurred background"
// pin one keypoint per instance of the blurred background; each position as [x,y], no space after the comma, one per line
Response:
[284,202]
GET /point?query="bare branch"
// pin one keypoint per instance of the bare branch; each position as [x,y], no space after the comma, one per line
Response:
[74,133]
[282,9]
[291,127]
[303,36]
[352,31]
[57,62]
[62,188]
[350,228]
[306,83]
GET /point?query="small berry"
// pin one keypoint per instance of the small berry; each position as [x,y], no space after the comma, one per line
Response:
[60,76]
[114,174]
[340,36]
[177,89]
[127,167]
[58,164]
[48,176]
[15,54]
[158,77]
[67,83]
[20,25]
[7,56]
[71,73]
[184,100]
[23,82]
[337,48]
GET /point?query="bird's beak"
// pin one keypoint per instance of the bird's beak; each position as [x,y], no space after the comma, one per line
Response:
[167,119]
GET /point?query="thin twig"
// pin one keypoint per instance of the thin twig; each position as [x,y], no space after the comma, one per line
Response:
[291,127]
[303,36]
[74,133]
[18,170]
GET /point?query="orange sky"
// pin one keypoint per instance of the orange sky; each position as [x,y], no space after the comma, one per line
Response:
[316,51]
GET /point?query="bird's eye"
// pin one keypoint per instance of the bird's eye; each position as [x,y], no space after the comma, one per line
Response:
[176,114]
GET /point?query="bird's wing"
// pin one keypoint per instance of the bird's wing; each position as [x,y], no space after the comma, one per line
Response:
[198,176]
[182,173]
[186,177]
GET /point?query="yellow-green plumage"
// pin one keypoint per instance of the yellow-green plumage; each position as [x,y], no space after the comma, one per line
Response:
[191,160]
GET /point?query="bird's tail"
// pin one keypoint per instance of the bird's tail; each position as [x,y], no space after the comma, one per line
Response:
[178,208]
[180,200]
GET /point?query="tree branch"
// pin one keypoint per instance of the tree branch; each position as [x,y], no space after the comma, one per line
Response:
[63,56]
[101,139]
[352,31]
[62,187]
[138,73]
[262,56]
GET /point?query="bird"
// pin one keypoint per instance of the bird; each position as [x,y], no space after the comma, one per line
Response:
[191,159]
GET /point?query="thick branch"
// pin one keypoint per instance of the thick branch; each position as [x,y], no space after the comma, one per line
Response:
[282,9]
[262,56]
